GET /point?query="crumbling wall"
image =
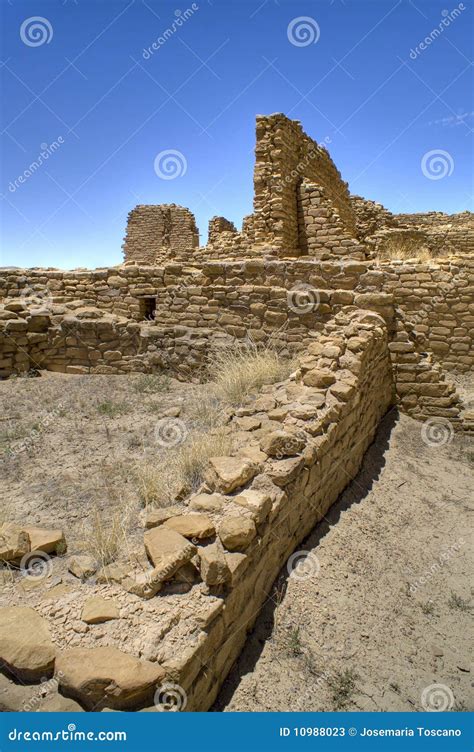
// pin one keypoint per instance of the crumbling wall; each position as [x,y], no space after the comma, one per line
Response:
[436,233]
[285,156]
[225,544]
[159,233]
[428,309]
[307,465]
[446,232]
[220,229]
[370,217]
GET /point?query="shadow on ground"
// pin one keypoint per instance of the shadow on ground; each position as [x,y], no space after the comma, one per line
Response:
[354,493]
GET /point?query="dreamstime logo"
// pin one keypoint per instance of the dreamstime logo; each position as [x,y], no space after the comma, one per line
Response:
[36,31]
[302,565]
[437,698]
[303,298]
[436,432]
[47,686]
[47,150]
[447,19]
[298,171]
[180,19]
[170,698]
[170,164]
[36,565]
[454,120]
[303,31]
[170,432]
[437,164]
[291,445]
[442,560]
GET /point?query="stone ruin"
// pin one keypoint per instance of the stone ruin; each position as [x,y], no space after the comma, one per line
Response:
[305,269]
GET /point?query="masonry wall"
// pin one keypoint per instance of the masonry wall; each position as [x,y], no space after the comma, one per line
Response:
[156,233]
[438,233]
[260,297]
[455,231]
[296,484]
[285,156]
[321,232]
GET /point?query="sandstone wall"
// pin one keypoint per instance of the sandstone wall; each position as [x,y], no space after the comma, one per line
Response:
[454,231]
[285,156]
[296,446]
[158,233]
[438,233]
[321,232]
[257,297]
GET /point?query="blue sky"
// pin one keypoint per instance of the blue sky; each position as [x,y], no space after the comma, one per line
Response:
[83,84]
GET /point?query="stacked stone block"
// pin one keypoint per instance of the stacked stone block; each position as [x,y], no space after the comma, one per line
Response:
[285,156]
[158,233]
[321,232]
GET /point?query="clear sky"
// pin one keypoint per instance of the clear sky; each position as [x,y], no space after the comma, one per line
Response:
[85,86]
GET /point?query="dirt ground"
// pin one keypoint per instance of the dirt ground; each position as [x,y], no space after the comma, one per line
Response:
[72,448]
[382,610]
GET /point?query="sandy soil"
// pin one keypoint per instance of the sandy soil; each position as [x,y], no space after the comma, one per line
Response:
[72,447]
[381,610]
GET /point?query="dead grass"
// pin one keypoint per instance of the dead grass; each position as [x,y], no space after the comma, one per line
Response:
[400,248]
[180,469]
[240,369]
[105,535]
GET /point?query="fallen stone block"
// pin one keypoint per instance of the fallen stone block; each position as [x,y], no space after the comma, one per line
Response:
[14,542]
[191,525]
[107,677]
[97,610]
[26,648]
[226,474]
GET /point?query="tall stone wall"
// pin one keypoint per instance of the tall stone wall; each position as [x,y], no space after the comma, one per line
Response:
[302,207]
[285,156]
[321,232]
[158,233]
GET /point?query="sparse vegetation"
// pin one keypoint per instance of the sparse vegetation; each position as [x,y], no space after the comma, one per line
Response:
[427,608]
[456,602]
[105,535]
[152,383]
[243,368]
[180,470]
[294,645]
[342,685]
[403,246]
[112,409]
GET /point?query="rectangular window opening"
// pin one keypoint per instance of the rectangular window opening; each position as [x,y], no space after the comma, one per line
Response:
[147,309]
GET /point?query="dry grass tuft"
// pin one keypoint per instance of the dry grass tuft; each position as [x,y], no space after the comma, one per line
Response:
[238,370]
[180,470]
[105,537]
[400,248]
